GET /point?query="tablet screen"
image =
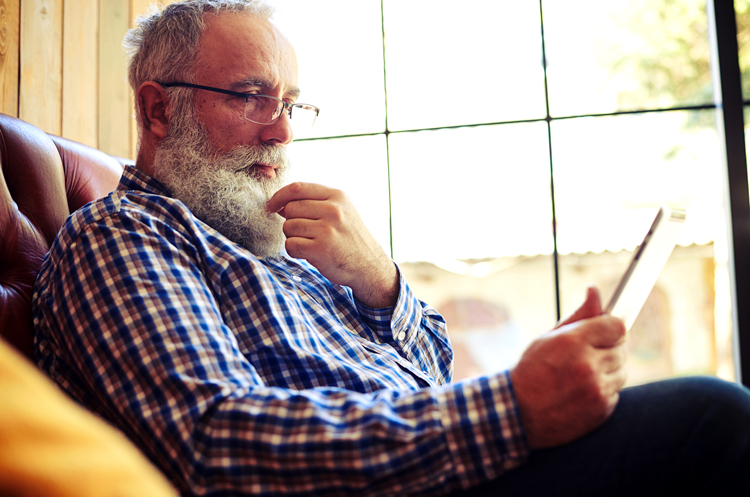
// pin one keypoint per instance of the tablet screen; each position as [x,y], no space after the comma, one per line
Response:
[644,268]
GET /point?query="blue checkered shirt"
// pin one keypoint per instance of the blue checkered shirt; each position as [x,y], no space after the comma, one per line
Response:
[243,376]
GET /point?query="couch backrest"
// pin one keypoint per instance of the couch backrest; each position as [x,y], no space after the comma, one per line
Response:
[44,178]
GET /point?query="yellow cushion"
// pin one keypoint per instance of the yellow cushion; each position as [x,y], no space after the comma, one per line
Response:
[51,446]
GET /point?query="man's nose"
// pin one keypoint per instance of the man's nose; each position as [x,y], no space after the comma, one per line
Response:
[280,132]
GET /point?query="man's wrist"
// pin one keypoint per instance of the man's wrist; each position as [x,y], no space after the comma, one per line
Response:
[380,292]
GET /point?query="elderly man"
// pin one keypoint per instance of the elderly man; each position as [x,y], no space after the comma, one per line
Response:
[252,338]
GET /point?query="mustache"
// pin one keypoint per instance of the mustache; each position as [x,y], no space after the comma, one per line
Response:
[245,157]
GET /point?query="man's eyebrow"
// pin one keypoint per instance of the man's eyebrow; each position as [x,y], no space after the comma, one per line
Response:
[292,92]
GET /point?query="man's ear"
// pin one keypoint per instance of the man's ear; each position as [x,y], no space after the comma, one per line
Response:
[153,109]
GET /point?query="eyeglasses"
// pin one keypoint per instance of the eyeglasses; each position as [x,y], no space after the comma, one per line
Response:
[264,109]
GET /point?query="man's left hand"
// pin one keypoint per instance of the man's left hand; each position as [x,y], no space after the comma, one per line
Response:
[323,227]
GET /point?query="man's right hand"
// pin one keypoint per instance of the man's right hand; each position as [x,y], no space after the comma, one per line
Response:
[568,380]
[323,227]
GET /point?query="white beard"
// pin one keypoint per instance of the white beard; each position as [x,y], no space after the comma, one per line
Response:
[222,189]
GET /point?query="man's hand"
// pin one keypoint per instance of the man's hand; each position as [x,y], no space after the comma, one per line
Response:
[323,227]
[568,380]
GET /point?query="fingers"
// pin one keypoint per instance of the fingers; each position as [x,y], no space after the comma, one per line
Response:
[332,211]
[304,248]
[312,240]
[603,331]
[613,359]
[611,376]
[611,385]
[303,228]
[591,307]
[324,221]
[618,378]
[298,191]
[608,372]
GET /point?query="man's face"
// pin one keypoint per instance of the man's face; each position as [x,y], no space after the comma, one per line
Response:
[223,167]
[247,54]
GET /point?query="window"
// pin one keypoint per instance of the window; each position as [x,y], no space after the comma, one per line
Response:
[508,154]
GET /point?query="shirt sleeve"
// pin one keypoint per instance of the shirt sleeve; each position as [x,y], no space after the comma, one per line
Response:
[416,330]
[128,326]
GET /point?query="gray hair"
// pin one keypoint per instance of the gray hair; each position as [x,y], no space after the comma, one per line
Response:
[163,45]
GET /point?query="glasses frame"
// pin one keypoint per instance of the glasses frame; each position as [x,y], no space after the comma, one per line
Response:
[287,107]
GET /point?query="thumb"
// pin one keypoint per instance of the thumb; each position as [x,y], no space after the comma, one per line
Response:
[590,308]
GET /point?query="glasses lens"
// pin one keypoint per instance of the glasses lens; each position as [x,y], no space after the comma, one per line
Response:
[262,109]
[303,116]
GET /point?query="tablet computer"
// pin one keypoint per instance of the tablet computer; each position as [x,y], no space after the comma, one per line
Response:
[644,268]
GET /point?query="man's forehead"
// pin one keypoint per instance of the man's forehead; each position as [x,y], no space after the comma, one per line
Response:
[242,48]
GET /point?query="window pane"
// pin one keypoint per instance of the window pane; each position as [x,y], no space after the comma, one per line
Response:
[484,192]
[605,56]
[358,166]
[449,64]
[339,46]
[472,233]
[611,174]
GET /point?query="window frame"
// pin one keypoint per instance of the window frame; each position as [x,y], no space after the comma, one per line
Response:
[729,107]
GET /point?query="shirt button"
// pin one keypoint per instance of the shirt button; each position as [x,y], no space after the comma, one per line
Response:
[296,278]
[401,336]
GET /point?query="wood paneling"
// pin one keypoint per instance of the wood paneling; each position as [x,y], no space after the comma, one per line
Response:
[10,18]
[40,96]
[141,7]
[114,93]
[80,71]
[63,68]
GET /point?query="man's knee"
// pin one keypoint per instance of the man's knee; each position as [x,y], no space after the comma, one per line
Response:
[727,407]
[719,400]
[715,451]
[705,400]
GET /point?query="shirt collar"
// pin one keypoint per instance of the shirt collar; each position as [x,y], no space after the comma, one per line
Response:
[135,179]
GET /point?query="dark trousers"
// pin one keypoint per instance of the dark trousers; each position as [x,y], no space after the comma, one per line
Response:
[686,436]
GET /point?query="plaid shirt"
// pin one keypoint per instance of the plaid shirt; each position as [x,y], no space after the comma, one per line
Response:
[239,376]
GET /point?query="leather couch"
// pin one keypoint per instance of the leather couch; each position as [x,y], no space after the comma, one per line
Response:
[44,178]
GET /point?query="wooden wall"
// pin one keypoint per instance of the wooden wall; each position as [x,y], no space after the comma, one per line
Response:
[63,68]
